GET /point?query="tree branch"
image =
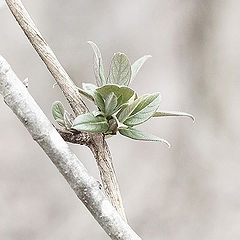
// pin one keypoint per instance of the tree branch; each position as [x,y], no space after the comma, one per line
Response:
[85,186]
[80,138]
[98,145]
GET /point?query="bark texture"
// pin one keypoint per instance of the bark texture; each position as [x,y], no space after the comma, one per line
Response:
[98,145]
[17,97]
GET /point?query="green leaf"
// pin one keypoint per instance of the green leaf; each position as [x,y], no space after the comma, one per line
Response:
[126,111]
[137,65]
[96,113]
[99,101]
[173,113]
[98,65]
[89,123]
[123,94]
[110,104]
[120,70]
[88,90]
[140,135]
[58,110]
[141,110]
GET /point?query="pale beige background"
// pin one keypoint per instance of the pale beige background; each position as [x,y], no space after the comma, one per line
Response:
[191,191]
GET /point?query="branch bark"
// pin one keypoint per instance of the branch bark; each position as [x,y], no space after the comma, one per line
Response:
[16,96]
[98,144]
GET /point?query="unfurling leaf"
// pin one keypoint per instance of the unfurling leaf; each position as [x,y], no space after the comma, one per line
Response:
[58,110]
[173,113]
[137,65]
[89,123]
[99,101]
[124,94]
[140,110]
[110,104]
[88,90]
[120,70]
[68,120]
[98,65]
[140,135]
[126,111]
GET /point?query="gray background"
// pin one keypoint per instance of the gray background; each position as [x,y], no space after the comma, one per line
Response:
[190,191]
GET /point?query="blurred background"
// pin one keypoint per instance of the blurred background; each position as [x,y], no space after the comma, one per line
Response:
[191,191]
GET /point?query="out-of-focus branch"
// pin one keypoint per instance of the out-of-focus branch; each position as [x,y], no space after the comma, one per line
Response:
[16,96]
[98,145]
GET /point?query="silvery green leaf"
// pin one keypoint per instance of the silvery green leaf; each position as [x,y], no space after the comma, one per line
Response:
[120,70]
[127,110]
[99,101]
[98,65]
[89,87]
[110,104]
[57,110]
[89,123]
[96,113]
[122,93]
[88,90]
[173,113]
[143,110]
[140,135]
[137,65]
[86,94]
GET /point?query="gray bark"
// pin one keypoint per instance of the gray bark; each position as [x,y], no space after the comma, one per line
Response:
[17,97]
[98,144]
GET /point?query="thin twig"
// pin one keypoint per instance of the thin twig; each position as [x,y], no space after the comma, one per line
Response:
[17,97]
[98,145]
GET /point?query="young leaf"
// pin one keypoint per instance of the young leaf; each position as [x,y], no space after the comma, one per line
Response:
[98,65]
[99,101]
[88,90]
[127,110]
[137,65]
[140,135]
[146,107]
[110,104]
[68,121]
[96,113]
[58,110]
[173,113]
[120,70]
[125,92]
[88,123]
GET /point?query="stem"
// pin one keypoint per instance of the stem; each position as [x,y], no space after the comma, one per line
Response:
[85,186]
[98,146]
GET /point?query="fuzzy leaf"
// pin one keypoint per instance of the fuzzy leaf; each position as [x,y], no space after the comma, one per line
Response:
[123,94]
[120,70]
[143,110]
[140,135]
[88,90]
[126,111]
[58,110]
[137,65]
[110,104]
[173,113]
[99,101]
[89,123]
[98,65]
